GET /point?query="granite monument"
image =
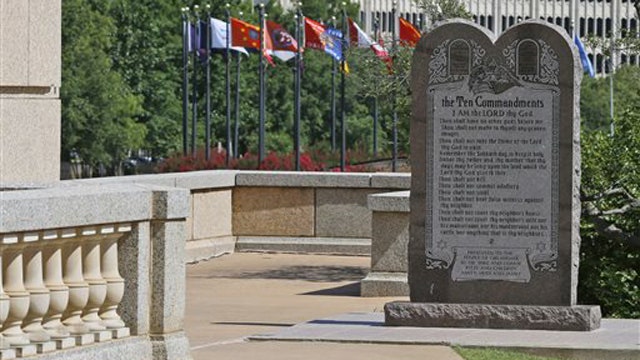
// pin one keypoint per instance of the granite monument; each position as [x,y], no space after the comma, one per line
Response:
[495,146]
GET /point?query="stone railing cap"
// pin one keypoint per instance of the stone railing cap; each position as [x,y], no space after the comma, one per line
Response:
[303,179]
[61,207]
[391,181]
[397,201]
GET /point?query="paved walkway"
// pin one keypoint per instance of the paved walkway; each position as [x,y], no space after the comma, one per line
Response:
[284,306]
[235,296]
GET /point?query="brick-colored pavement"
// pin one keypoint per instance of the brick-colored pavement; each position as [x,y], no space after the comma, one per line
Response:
[234,296]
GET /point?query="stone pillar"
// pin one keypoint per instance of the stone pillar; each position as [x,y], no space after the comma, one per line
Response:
[168,274]
[30,90]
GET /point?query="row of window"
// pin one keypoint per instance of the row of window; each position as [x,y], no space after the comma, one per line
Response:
[602,65]
[384,20]
[585,26]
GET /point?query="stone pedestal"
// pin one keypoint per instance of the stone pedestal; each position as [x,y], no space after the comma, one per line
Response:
[523,317]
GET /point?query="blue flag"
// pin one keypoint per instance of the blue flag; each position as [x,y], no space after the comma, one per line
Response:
[586,63]
[333,43]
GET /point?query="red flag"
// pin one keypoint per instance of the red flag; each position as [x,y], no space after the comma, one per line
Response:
[409,34]
[248,36]
[313,31]
[244,34]
[284,45]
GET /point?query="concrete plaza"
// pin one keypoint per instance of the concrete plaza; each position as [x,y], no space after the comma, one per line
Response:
[288,306]
[233,297]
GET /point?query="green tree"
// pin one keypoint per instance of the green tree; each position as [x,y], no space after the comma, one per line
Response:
[594,97]
[98,107]
[147,54]
[610,224]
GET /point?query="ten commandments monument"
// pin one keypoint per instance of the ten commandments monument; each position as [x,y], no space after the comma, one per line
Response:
[495,208]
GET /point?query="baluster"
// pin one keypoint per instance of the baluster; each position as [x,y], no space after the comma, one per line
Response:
[93,276]
[18,296]
[59,292]
[4,306]
[78,288]
[38,293]
[115,283]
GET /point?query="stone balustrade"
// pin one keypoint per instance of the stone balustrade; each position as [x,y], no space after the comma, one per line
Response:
[87,265]
[273,210]
[101,262]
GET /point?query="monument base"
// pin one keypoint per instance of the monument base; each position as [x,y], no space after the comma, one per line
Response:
[523,317]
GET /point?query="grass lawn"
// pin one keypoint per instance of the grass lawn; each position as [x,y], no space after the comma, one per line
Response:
[495,354]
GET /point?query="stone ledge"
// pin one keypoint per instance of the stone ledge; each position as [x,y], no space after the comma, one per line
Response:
[146,179]
[205,249]
[391,181]
[109,350]
[209,179]
[65,207]
[378,284]
[397,201]
[303,179]
[523,317]
[340,246]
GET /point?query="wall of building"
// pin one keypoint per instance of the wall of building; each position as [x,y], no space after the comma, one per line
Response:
[30,80]
[602,19]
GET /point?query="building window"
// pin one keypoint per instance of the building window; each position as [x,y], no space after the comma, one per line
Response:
[384,22]
[599,27]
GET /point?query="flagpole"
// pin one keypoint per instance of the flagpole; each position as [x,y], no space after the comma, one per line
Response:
[236,129]
[236,132]
[375,101]
[394,152]
[343,127]
[611,72]
[298,79]
[185,79]
[333,96]
[207,146]
[194,118]
[261,131]
[228,85]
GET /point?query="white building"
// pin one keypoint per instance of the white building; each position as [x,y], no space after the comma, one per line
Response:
[591,18]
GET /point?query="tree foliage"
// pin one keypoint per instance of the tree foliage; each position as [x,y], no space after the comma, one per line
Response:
[595,96]
[99,109]
[610,226]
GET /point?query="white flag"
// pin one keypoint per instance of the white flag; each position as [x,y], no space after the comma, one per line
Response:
[219,36]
